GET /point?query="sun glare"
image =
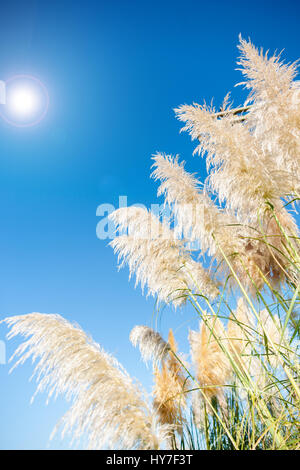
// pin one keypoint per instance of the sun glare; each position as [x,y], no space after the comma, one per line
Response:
[23,101]
[26,101]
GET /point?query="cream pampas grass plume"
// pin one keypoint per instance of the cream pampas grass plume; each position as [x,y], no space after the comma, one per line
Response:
[251,162]
[170,384]
[247,160]
[275,117]
[234,159]
[108,408]
[213,368]
[196,216]
[152,346]
[158,260]
[218,231]
[169,378]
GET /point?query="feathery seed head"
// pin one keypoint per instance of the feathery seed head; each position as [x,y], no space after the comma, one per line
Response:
[275,117]
[213,368]
[152,346]
[169,386]
[107,408]
[161,263]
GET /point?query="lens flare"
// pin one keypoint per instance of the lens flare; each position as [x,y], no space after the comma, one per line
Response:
[26,101]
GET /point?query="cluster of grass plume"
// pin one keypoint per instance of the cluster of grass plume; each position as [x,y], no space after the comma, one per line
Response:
[239,388]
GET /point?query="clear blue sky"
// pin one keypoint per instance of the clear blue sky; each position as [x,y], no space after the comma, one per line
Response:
[114,71]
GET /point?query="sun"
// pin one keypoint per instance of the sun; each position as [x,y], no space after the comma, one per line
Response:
[23,101]
[26,101]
